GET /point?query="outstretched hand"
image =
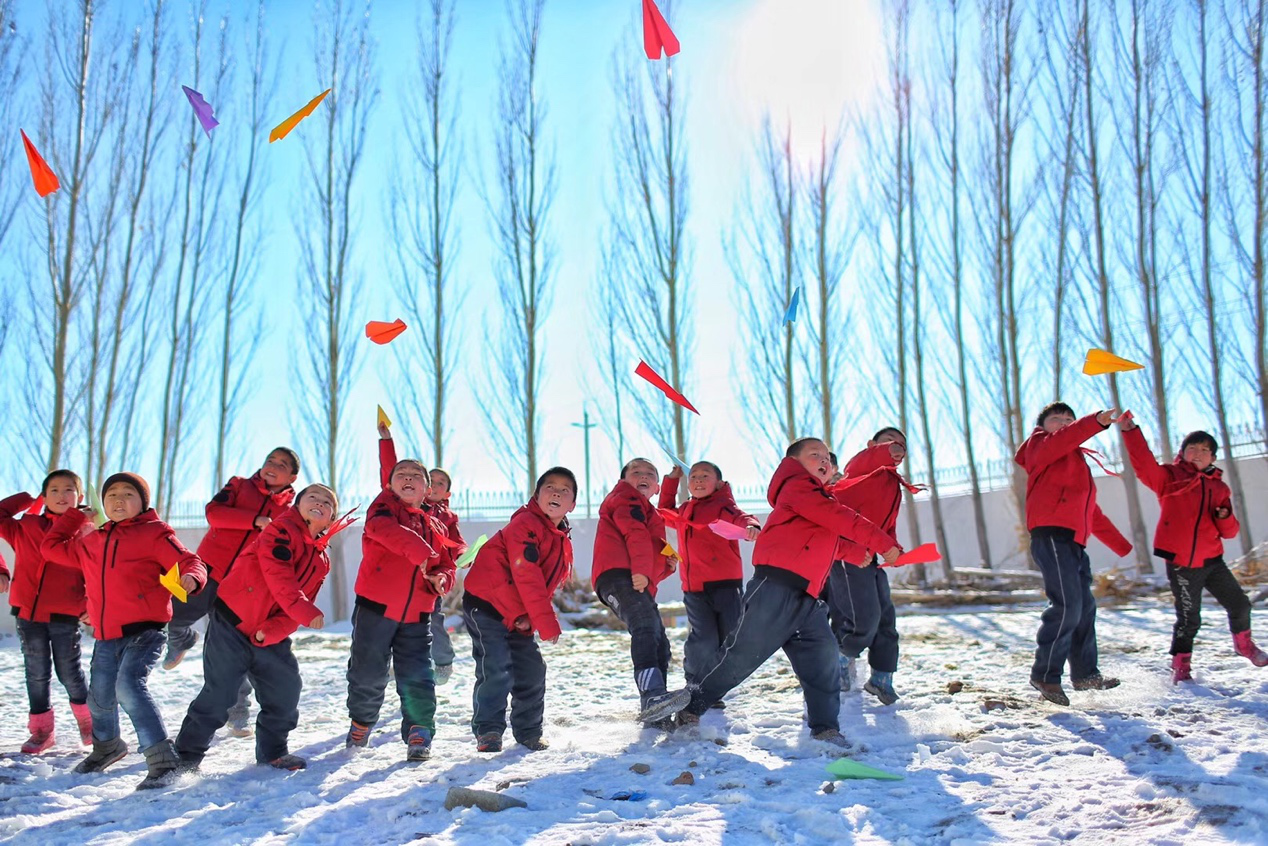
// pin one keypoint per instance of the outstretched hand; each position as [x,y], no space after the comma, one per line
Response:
[1106,417]
[676,473]
[1126,422]
[384,432]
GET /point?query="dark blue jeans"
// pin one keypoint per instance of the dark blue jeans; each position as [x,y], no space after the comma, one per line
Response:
[779,615]
[119,678]
[181,636]
[1067,629]
[649,645]
[228,659]
[862,614]
[376,640]
[441,645]
[712,614]
[49,645]
[507,664]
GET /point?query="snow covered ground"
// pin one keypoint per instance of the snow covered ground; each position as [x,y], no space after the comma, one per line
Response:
[1144,763]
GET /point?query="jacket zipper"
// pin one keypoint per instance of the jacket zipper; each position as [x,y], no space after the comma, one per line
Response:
[1193,550]
[243,544]
[105,559]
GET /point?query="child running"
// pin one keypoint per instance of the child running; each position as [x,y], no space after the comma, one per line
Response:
[1061,512]
[48,600]
[1197,515]
[438,501]
[508,597]
[631,557]
[270,592]
[781,603]
[127,608]
[405,569]
[711,570]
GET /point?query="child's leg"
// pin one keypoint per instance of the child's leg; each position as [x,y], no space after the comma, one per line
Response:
[37,656]
[226,659]
[372,635]
[1083,650]
[103,704]
[1186,590]
[862,608]
[837,593]
[1058,561]
[141,652]
[240,713]
[275,675]
[812,651]
[528,691]
[180,631]
[415,681]
[882,655]
[64,637]
[1224,586]
[638,610]
[441,645]
[703,636]
[492,658]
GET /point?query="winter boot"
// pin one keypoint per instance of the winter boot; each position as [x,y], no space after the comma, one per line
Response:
[847,672]
[1096,681]
[41,728]
[174,656]
[832,736]
[653,698]
[419,744]
[535,744]
[288,762]
[1051,691]
[444,672]
[103,754]
[1180,668]
[1247,649]
[84,718]
[881,685]
[490,741]
[358,735]
[161,762]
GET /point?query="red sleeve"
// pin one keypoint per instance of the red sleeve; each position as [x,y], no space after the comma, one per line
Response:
[276,551]
[443,565]
[10,507]
[63,542]
[387,460]
[869,461]
[383,527]
[171,552]
[732,514]
[1108,534]
[1143,462]
[223,513]
[455,535]
[668,494]
[526,573]
[631,522]
[4,568]
[1043,448]
[276,628]
[1228,527]
[820,507]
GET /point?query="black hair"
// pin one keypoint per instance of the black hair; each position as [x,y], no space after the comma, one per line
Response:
[794,448]
[887,430]
[1200,437]
[290,456]
[715,468]
[557,471]
[62,474]
[325,488]
[626,468]
[445,473]
[832,456]
[413,461]
[1054,408]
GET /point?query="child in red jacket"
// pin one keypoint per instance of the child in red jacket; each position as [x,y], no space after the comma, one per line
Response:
[781,603]
[859,605]
[442,654]
[631,557]
[1197,515]
[268,595]
[127,609]
[48,599]
[1061,512]
[508,597]
[711,570]
[236,515]
[405,568]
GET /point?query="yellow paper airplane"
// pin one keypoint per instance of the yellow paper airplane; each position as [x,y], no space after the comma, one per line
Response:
[282,129]
[1100,362]
[172,581]
[669,551]
[384,420]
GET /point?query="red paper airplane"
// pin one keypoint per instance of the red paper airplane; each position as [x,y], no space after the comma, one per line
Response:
[653,377]
[730,531]
[382,333]
[41,174]
[926,553]
[656,33]
[37,506]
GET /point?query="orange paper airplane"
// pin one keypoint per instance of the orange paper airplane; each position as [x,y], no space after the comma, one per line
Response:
[382,333]
[41,174]
[282,129]
[1100,362]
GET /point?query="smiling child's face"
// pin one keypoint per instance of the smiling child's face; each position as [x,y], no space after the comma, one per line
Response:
[439,486]
[411,483]
[703,481]
[817,459]
[61,495]
[556,497]
[121,502]
[1199,454]
[277,472]
[317,508]
[643,476]
[1056,421]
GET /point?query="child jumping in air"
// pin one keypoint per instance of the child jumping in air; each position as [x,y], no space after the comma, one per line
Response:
[508,597]
[270,592]
[631,557]
[438,501]
[711,570]
[127,609]
[1197,516]
[48,600]
[1061,512]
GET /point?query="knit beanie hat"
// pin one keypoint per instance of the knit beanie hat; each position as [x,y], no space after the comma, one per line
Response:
[141,486]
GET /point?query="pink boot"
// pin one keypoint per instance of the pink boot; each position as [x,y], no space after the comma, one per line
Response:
[41,728]
[84,717]
[1246,648]
[1180,668]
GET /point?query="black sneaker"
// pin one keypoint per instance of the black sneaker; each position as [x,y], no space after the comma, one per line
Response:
[288,762]
[490,741]
[358,735]
[419,744]
[1051,691]
[664,705]
[1096,681]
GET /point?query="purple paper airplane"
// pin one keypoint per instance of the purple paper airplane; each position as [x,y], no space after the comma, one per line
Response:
[202,109]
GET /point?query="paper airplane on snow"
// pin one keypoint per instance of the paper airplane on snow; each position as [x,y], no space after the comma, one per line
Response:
[172,581]
[790,315]
[283,129]
[652,376]
[730,531]
[41,174]
[382,333]
[846,768]
[384,420]
[926,553]
[656,33]
[202,110]
[467,557]
[1100,362]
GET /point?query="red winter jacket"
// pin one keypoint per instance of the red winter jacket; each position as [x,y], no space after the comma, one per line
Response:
[521,566]
[274,583]
[1188,534]
[122,563]
[630,536]
[232,513]
[40,590]
[1059,488]
[708,559]
[875,494]
[442,512]
[805,525]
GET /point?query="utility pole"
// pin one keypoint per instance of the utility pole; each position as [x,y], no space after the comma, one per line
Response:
[585,425]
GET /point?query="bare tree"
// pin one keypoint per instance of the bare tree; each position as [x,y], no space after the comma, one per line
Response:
[13,54]
[524,266]
[422,225]
[611,352]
